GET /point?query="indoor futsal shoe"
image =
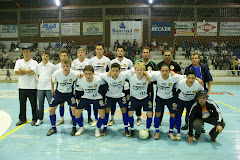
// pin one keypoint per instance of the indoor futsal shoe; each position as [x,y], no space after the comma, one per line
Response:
[51,131]
[20,123]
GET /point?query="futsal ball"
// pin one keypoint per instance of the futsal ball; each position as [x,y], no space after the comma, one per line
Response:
[143,134]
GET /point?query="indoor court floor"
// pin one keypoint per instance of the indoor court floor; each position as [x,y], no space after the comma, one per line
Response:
[30,142]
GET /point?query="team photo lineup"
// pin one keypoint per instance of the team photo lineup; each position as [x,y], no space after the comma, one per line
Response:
[101,85]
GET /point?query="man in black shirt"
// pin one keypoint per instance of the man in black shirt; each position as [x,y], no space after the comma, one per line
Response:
[204,110]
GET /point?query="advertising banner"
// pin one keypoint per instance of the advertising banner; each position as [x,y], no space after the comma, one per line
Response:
[92,28]
[161,28]
[29,30]
[229,28]
[9,31]
[207,29]
[183,28]
[49,29]
[70,29]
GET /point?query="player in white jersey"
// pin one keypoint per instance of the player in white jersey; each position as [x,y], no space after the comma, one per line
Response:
[115,94]
[187,89]
[101,64]
[78,65]
[139,96]
[90,84]
[65,79]
[45,70]
[125,64]
[63,54]
[165,83]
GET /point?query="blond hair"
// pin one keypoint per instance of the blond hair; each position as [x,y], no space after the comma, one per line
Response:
[81,49]
[66,61]
[140,65]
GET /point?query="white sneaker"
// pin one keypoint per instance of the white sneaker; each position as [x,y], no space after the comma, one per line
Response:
[94,123]
[172,136]
[59,122]
[178,137]
[111,123]
[80,131]
[97,132]
[38,122]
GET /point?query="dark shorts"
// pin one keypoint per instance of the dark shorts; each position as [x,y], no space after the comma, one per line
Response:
[121,101]
[59,98]
[127,94]
[84,103]
[79,94]
[146,103]
[181,104]
[160,103]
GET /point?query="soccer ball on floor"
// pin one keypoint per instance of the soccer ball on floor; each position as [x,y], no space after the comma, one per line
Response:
[143,134]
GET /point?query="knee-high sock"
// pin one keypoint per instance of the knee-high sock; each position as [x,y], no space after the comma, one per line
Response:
[131,122]
[95,111]
[61,110]
[79,121]
[125,120]
[172,124]
[100,122]
[70,111]
[89,111]
[53,120]
[178,123]
[74,120]
[156,123]
[149,122]
[106,120]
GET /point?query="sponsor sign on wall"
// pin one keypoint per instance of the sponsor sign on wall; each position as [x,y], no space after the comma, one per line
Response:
[207,29]
[182,28]
[29,30]
[70,29]
[9,31]
[126,30]
[161,28]
[49,29]
[92,28]
[229,28]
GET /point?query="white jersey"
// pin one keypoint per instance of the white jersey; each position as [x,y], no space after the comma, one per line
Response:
[91,89]
[188,93]
[165,87]
[45,72]
[26,81]
[79,66]
[125,64]
[59,66]
[116,85]
[138,88]
[64,83]
[100,65]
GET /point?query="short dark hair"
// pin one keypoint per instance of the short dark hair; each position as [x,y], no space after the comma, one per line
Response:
[119,46]
[63,51]
[88,68]
[115,65]
[160,65]
[100,44]
[191,72]
[147,48]
[46,52]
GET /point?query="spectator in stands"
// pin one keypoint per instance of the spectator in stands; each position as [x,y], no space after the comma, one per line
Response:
[235,65]
[136,49]
[229,52]
[129,44]
[5,55]
[215,45]
[49,46]
[10,64]
[1,56]
[134,43]
[124,43]
[212,53]
[183,45]
[64,45]
[154,44]
[174,50]
[34,46]
[224,52]
[2,46]
[214,62]
[182,67]
[109,54]
[18,45]
[165,45]
[205,61]
[198,51]
[58,46]
[226,63]
[8,74]
[188,53]
[220,62]
[115,45]
[4,62]
[12,47]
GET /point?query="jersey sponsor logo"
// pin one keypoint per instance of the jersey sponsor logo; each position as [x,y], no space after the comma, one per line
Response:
[73,100]
[138,87]
[128,97]
[125,65]
[124,100]
[120,82]
[149,104]
[169,84]
[163,87]
[103,64]
[95,85]
[171,67]
[90,90]
[194,92]
[149,68]
[144,83]
[70,80]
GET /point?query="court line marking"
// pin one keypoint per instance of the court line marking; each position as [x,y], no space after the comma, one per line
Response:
[228,105]
[17,128]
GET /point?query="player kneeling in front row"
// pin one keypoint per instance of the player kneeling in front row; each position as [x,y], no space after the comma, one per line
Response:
[205,110]
[139,96]
[65,79]
[90,84]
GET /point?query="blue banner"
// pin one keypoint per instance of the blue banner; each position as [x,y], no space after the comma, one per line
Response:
[161,28]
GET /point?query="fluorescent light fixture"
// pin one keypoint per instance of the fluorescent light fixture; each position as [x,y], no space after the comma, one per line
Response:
[150,1]
[57,2]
